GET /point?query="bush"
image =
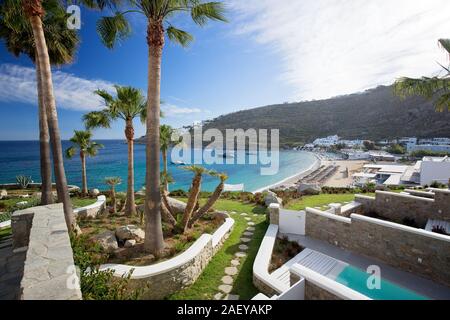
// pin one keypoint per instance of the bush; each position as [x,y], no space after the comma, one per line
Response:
[96,284]
[23,181]
[440,230]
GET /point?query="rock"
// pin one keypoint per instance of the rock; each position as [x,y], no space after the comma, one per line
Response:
[177,205]
[3,194]
[227,280]
[37,195]
[130,243]
[24,196]
[271,197]
[21,203]
[130,232]
[94,192]
[231,271]
[220,215]
[309,188]
[107,241]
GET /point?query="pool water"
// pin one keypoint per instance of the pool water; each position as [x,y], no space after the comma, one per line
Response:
[356,279]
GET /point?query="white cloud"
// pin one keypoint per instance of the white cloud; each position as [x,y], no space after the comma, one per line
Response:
[171,110]
[334,47]
[18,84]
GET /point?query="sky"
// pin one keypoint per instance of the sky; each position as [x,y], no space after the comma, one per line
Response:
[271,51]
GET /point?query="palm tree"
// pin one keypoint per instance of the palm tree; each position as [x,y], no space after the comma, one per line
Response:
[87,148]
[34,11]
[165,142]
[62,43]
[127,105]
[115,28]
[113,182]
[212,199]
[193,193]
[435,87]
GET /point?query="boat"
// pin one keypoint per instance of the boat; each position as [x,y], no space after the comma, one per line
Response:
[178,163]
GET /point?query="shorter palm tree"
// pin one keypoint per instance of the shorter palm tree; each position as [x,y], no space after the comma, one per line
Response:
[128,104]
[166,133]
[113,182]
[193,211]
[437,87]
[86,147]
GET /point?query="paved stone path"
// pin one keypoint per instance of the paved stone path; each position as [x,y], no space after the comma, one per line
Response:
[11,270]
[227,280]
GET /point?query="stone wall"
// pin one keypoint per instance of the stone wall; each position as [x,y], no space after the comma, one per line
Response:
[93,210]
[263,287]
[328,227]
[313,292]
[397,207]
[410,249]
[49,270]
[406,248]
[161,285]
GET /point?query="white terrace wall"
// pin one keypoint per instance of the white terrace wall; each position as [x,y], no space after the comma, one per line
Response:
[396,207]
[410,249]
[161,279]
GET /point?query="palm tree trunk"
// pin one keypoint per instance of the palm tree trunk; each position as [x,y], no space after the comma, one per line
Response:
[192,201]
[164,157]
[130,208]
[34,11]
[83,174]
[154,241]
[44,144]
[209,204]
[113,199]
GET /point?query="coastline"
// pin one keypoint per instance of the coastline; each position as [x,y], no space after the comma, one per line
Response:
[294,178]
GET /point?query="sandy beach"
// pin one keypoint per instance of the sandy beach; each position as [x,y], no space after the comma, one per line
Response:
[339,179]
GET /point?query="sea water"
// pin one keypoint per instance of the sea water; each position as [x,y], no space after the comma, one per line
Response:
[22,158]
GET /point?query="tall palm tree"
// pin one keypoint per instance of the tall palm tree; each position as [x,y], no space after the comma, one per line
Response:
[115,28]
[437,87]
[87,148]
[113,182]
[62,43]
[34,11]
[128,104]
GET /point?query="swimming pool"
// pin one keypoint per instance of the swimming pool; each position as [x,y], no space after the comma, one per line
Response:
[356,279]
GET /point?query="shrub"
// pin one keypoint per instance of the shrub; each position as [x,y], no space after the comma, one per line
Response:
[410,222]
[23,181]
[440,230]
[96,284]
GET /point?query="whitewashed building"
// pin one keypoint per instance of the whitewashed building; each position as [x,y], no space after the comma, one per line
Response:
[434,169]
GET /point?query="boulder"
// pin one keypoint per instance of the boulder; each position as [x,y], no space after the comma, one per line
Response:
[3,194]
[130,232]
[177,205]
[94,192]
[107,241]
[271,197]
[129,243]
[21,203]
[309,188]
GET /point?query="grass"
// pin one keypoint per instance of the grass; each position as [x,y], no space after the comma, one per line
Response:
[320,200]
[82,202]
[4,233]
[206,285]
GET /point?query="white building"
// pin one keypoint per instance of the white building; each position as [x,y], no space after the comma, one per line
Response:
[434,169]
[327,142]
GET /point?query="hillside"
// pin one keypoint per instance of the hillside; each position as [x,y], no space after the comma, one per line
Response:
[374,114]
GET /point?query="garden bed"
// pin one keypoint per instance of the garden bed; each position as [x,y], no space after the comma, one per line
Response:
[135,255]
[283,251]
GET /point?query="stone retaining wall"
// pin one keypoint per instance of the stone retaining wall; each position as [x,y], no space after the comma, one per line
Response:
[49,270]
[397,207]
[162,279]
[410,249]
[93,210]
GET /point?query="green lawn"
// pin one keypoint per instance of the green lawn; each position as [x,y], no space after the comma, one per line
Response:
[319,201]
[4,233]
[82,202]
[206,285]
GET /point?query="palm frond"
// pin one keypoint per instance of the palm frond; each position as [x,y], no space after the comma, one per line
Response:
[202,12]
[178,36]
[445,44]
[70,152]
[97,119]
[113,29]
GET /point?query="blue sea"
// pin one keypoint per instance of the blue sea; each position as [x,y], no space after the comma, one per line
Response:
[22,158]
